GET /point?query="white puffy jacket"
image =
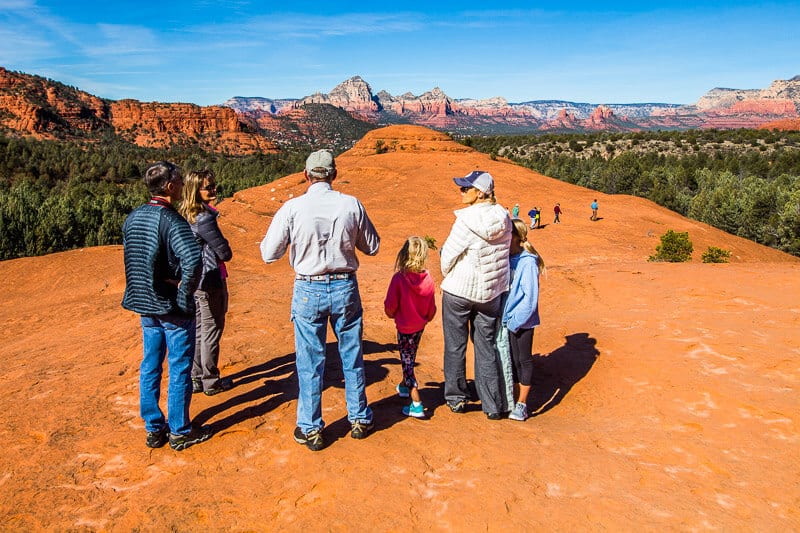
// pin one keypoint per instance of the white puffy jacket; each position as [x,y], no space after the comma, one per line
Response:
[474,257]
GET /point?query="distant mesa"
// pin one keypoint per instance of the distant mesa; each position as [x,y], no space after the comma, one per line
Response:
[719,108]
[44,108]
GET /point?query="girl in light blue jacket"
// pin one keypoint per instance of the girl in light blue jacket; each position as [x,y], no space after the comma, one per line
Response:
[521,313]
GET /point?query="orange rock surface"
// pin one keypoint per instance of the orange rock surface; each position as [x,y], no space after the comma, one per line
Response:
[666,394]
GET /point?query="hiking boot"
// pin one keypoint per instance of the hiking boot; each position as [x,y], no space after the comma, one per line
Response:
[403,391]
[222,385]
[458,406]
[312,440]
[361,429]
[157,439]
[494,416]
[520,412]
[195,436]
[197,385]
[417,411]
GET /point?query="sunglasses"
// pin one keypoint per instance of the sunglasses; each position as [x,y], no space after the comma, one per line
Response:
[464,189]
[210,188]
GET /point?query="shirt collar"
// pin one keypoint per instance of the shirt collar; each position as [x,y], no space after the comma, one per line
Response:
[320,186]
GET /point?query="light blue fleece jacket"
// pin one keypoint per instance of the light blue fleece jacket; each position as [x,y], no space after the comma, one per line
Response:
[522,305]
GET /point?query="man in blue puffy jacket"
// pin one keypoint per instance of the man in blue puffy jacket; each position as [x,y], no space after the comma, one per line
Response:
[162,269]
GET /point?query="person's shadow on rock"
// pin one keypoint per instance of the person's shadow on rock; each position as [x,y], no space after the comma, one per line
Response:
[555,374]
[280,385]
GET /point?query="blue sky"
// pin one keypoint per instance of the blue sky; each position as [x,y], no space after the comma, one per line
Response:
[205,51]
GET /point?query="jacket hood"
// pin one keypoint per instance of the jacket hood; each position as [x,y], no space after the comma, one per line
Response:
[488,221]
[417,282]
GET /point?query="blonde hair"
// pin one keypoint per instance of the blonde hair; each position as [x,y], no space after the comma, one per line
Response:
[520,229]
[191,202]
[412,256]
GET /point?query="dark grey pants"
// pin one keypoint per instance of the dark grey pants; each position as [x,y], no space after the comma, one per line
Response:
[211,306]
[462,318]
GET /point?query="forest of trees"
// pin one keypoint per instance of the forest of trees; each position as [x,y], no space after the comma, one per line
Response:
[56,196]
[745,182]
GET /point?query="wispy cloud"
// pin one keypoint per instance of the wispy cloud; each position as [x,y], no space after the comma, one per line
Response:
[305,26]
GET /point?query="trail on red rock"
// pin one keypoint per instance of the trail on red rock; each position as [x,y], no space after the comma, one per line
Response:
[666,394]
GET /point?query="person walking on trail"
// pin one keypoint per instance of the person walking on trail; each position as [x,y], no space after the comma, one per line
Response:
[594,210]
[534,214]
[515,211]
[557,210]
[322,230]
[410,301]
[163,264]
[474,262]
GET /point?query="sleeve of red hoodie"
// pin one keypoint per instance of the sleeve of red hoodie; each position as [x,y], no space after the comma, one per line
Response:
[431,311]
[392,300]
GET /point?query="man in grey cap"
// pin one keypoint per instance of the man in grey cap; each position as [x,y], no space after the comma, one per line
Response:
[322,229]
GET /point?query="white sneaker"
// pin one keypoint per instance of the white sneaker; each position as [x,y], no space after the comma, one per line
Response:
[520,412]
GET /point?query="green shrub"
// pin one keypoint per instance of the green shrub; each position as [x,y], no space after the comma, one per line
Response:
[675,247]
[716,255]
[380,147]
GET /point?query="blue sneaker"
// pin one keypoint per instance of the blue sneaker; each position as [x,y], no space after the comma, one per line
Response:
[520,412]
[403,391]
[414,409]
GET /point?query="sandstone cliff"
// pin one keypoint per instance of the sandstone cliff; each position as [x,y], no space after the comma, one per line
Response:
[44,108]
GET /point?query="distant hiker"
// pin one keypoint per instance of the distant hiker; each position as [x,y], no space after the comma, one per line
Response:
[411,303]
[538,218]
[557,210]
[474,262]
[521,314]
[162,269]
[594,210]
[534,214]
[515,211]
[322,230]
[211,296]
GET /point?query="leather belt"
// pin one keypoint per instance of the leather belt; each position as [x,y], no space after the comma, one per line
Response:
[326,277]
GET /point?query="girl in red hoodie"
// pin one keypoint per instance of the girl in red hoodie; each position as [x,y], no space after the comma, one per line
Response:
[410,302]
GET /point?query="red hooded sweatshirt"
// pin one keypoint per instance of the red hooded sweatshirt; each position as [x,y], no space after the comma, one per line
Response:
[410,300]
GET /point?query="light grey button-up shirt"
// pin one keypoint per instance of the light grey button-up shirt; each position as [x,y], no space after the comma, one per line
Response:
[322,229]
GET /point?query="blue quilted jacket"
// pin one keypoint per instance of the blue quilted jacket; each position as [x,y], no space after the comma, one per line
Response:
[162,261]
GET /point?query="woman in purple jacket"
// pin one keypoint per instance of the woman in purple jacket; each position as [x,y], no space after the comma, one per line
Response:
[211,296]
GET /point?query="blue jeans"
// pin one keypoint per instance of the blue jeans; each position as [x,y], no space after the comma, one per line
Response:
[314,303]
[173,335]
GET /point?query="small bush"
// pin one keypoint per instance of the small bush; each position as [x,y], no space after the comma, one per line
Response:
[380,147]
[716,255]
[674,248]
[430,241]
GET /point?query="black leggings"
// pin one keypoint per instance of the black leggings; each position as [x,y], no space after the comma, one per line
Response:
[521,347]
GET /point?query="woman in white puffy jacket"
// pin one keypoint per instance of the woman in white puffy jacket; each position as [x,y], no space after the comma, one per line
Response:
[474,261]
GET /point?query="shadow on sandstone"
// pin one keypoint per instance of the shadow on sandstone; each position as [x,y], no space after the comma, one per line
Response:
[278,385]
[555,374]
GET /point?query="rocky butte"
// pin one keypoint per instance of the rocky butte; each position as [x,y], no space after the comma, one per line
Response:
[665,395]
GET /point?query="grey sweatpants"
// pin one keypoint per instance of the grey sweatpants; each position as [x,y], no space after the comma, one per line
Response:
[211,306]
[462,318]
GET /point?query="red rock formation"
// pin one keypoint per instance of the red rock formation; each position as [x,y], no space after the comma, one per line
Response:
[43,108]
[789,124]
[785,108]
